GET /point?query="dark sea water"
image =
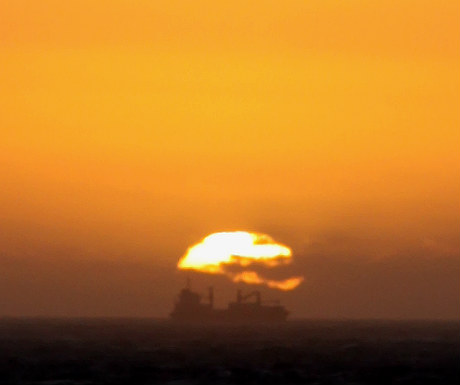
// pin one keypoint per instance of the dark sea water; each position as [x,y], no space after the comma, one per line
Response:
[116,351]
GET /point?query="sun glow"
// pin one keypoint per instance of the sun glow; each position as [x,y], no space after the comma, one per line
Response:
[217,252]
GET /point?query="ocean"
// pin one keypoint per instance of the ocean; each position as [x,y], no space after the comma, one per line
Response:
[153,351]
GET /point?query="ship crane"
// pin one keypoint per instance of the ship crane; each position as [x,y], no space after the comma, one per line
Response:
[240,298]
[190,307]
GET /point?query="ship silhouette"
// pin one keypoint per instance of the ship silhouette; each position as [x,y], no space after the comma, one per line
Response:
[190,307]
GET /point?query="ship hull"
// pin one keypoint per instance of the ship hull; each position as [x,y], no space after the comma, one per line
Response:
[189,308]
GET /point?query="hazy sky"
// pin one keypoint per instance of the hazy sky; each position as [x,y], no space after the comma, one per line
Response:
[129,130]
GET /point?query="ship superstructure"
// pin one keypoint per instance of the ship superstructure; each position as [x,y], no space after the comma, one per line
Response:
[190,307]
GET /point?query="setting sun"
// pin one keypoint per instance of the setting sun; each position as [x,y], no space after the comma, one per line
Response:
[216,252]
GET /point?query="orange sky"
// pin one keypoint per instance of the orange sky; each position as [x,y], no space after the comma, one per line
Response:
[129,130]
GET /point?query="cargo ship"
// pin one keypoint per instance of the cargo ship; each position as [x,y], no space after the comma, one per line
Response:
[190,307]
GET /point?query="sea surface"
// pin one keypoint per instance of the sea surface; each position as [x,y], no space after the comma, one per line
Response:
[149,351]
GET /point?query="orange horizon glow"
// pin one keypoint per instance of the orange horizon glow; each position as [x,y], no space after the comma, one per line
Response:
[131,129]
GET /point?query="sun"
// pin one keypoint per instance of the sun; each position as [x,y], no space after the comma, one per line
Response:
[217,251]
